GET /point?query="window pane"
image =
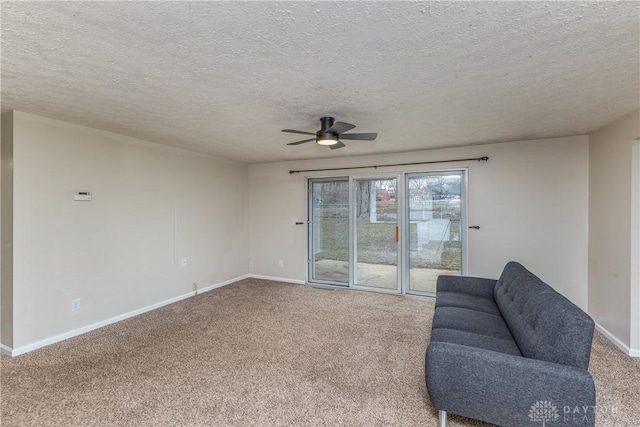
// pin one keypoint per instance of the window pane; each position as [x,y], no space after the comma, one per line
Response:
[435,243]
[329,206]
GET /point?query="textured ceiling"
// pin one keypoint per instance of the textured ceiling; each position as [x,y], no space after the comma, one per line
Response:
[224,77]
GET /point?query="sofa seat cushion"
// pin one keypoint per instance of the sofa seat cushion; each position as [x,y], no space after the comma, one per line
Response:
[471,302]
[470,339]
[472,321]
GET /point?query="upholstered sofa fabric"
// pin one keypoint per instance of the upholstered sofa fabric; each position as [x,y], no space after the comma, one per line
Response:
[501,350]
[546,325]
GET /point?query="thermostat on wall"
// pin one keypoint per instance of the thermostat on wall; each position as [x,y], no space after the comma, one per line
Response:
[83,196]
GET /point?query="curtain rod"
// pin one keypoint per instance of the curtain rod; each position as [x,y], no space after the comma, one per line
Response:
[479,159]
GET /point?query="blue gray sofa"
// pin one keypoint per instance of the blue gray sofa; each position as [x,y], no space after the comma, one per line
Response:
[512,352]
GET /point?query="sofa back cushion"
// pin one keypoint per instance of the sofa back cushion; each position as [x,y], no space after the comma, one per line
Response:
[544,324]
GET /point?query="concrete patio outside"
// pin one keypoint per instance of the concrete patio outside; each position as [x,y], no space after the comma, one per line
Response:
[379,275]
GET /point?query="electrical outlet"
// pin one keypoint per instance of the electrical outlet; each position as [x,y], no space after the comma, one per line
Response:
[250,264]
[281,263]
[195,287]
[75,304]
[183,262]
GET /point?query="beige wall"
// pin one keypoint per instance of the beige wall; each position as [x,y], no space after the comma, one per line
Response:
[538,202]
[530,199]
[6,231]
[610,208]
[116,253]
[635,247]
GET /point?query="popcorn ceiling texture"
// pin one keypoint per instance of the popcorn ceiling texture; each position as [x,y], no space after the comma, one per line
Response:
[224,77]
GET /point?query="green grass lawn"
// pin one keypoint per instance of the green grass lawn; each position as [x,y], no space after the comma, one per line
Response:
[376,244]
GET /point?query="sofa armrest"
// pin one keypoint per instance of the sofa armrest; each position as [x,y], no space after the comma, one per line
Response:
[507,390]
[467,285]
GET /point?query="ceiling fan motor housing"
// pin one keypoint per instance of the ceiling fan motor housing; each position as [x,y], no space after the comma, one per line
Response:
[323,136]
[325,124]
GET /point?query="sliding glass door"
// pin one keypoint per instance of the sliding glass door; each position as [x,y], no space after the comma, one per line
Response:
[376,248]
[393,233]
[435,207]
[329,231]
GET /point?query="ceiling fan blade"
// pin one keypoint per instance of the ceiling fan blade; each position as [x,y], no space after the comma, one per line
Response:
[339,127]
[298,131]
[301,142]
[336,146]
[359,136]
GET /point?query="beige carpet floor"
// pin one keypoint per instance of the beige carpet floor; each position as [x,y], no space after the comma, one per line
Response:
[260,353]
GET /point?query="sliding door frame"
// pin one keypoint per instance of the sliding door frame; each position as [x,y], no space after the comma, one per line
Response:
[464,202]
[310,236]
[403,264]
[352,231]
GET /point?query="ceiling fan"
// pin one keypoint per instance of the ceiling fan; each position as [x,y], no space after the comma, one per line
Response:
[331,133]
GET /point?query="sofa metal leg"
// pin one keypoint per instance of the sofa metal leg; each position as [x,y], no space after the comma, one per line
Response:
[442,418]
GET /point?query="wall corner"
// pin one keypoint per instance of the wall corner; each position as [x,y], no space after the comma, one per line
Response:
[6,230]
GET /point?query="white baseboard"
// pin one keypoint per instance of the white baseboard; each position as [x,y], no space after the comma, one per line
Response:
[61,337]
[622,346]
[277,279]
[6,350]
[221,284]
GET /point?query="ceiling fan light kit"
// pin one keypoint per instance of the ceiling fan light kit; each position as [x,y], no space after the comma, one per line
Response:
[327,139]
[331,132]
